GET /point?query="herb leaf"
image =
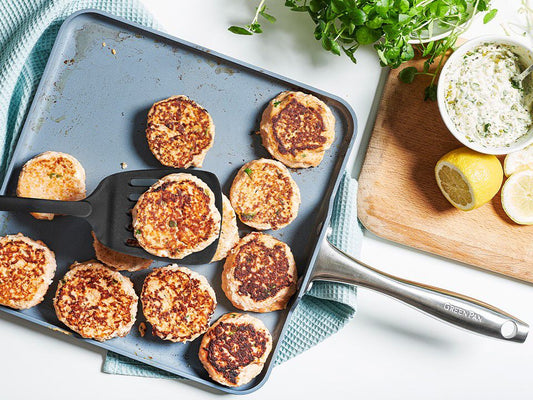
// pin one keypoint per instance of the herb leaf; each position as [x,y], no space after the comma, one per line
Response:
[239,30]
[247,217]
[268,17]
[490,16]
[430,93]
[407,75]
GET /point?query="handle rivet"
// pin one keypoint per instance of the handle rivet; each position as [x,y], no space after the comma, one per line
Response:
[508,329]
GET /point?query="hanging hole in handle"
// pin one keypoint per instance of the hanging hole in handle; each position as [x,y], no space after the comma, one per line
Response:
[508,329]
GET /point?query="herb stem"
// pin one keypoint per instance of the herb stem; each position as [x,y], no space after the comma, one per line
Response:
[257,11]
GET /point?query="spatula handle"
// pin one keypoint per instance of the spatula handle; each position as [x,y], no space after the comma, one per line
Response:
[77,208]
[464,312]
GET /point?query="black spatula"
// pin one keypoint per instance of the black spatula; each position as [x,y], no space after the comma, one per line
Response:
[108,210]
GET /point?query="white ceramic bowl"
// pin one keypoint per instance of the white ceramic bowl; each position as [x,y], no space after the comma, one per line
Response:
[441,32]
[524,52]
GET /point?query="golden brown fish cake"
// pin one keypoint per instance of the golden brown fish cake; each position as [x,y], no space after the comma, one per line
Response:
[259,274]
[235,349]
[176,216]
[178,303]
[297,129]
[96,302]
[229,234]
[54,176]
[116,260]
[27,268]
[179,132]
[264,195]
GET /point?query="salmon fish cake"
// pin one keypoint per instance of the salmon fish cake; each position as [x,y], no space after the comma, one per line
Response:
[235,349]
[179,132]
[54,176]
[176,216]
[297,129]
[229,235]
[27,268]
[96,302]
[117,260]
[259,274]
[264,195]
[178,303]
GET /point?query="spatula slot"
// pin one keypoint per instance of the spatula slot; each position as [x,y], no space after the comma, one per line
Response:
[143,182]
[134,196]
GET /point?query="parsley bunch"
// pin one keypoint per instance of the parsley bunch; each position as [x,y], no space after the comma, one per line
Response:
[344,25]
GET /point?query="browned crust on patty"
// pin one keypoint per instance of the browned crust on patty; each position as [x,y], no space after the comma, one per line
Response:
[54,176]
[176,217]
[27,268]
[264,195]
[178,303]
[179,132]
[297,129]
[117,260]
[259,274]
[95,301]
[229,235]
[235,348]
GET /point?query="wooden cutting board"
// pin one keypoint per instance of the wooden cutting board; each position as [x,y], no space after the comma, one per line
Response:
[399,198]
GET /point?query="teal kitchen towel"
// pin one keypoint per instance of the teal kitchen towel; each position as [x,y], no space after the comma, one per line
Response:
[28,29]
[323,311]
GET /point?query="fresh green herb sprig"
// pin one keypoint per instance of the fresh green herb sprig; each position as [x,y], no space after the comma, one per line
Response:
[342,26]
[254,26]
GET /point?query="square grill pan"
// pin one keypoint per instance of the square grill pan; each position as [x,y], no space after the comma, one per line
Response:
[102,77]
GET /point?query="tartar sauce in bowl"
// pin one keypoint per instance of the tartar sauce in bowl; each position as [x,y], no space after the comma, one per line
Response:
[483,105]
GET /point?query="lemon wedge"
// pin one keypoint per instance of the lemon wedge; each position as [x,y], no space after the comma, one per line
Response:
[468,179]
[517,197]
[518,161]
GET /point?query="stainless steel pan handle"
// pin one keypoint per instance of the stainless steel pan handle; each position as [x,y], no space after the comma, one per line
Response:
[465,312]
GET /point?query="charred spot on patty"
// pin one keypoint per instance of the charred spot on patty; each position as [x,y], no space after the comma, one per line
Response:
[262,271]
[234,346]
[297,128]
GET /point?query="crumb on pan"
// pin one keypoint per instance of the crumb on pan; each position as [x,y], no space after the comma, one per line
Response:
[142,329]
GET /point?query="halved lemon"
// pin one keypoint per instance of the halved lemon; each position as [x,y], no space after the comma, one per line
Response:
[518,161]
[517,197]
[468,179]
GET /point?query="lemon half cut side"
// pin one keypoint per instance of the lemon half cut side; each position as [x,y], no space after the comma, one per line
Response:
[517,197]
[468,179]
[454,186]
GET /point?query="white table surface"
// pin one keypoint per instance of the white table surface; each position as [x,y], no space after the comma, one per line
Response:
[388,351]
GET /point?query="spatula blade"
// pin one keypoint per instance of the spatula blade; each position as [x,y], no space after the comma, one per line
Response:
[115,197]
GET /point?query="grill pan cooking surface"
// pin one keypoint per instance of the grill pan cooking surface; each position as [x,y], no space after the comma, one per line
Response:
[101,79]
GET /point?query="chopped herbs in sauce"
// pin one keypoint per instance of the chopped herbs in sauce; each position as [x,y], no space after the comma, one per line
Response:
[482,100]
[172,224]
[54,175]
